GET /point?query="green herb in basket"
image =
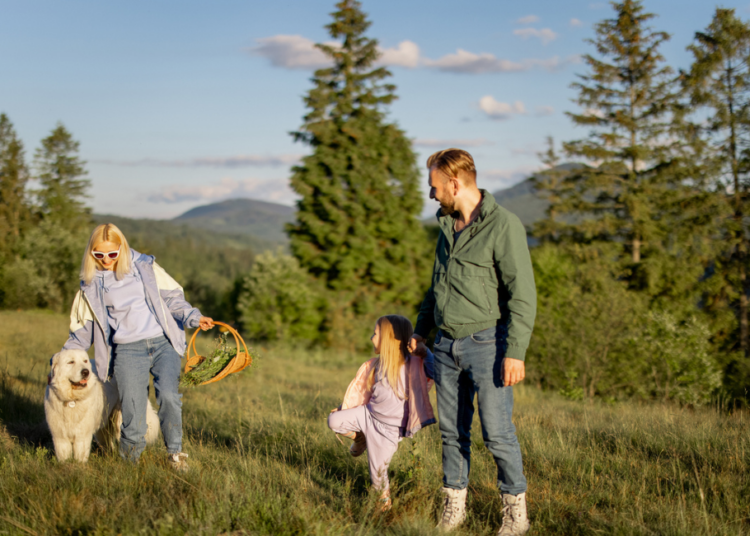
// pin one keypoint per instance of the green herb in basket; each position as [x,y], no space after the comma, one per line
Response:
[212,365]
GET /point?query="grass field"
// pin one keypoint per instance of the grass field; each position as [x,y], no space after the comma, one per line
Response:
[263,461]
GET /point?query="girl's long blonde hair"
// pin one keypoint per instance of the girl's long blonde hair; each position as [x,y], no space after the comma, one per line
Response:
[106,232]
[395,332]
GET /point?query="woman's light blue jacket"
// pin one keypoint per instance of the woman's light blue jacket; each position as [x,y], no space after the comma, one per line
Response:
[165,298]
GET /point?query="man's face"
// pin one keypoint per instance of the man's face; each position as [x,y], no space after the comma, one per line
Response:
[441,190]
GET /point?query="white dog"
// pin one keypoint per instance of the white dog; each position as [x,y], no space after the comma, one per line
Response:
[78,407]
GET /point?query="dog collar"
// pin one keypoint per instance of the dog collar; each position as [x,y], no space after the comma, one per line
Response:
[71,404]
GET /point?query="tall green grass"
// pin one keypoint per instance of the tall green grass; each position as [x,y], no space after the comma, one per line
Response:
[263,461]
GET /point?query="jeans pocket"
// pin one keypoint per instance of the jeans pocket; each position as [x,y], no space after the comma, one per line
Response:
[486,336]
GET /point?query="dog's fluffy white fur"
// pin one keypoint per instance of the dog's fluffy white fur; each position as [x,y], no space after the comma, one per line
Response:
[79,407]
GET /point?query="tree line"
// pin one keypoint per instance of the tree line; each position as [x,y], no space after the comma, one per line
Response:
[641,262]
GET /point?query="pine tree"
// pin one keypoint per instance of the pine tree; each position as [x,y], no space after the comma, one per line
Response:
[719,82]
[551,183]
[61,174]
[15,213]
[357,226]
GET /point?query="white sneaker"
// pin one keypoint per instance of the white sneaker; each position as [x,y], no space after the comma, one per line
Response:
[178,462]
[515,519]
[454,508]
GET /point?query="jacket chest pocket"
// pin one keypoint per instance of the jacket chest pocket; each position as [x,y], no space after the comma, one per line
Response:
[473,293]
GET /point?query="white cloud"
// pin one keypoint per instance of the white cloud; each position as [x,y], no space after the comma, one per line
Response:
[528,19]
[219,162]
[576,22]
[436,143]
[297,52]
[500,110]
[544,110]
[468,62]
[405,55]
[545,34]
[291,52]
[594,112]
[276,190]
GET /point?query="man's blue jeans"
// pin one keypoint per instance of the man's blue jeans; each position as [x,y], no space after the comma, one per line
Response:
[464,367]
[133,362]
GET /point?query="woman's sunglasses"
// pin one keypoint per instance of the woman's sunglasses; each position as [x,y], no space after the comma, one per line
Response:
[112,254]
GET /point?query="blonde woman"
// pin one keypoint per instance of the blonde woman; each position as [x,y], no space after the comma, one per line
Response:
[387,400]
[135,315]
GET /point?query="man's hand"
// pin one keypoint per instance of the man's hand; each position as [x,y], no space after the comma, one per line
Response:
[206,323]
[417,346]
[514,371]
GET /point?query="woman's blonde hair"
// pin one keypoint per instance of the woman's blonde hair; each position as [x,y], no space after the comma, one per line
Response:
[395,332]
[106,232]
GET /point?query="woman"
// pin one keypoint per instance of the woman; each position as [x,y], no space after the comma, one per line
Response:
[134,314]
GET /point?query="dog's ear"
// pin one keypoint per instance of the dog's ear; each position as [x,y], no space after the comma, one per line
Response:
[54,362]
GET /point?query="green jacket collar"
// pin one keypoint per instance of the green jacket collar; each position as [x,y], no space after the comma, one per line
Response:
[488,207]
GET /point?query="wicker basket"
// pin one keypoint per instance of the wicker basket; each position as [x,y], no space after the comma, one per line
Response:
[239,362]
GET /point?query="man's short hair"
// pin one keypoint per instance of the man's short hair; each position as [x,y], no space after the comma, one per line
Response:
[454,163]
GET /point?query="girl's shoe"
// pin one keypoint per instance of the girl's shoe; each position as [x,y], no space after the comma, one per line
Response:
[359,445]
[385,502]
[178,462]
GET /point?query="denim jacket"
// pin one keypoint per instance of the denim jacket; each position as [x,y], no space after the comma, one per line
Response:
[164,296]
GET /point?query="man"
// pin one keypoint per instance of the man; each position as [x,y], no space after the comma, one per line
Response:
[483,299]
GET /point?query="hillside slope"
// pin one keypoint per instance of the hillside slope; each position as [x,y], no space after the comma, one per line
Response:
[260,219]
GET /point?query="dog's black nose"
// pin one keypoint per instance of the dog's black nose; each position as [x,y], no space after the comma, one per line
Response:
[85,373]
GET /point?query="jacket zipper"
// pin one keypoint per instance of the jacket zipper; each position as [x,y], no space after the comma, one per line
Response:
[109,352]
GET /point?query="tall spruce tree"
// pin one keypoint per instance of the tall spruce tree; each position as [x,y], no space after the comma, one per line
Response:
[357,226]
[61,174]
[15,213]
[718,83]
[627,98]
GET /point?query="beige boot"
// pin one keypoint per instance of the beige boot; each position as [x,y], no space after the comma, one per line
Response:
[454,508]
[515,519]
[178,462]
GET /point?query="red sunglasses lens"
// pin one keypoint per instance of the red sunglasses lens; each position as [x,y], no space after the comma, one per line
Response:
[98,255]
[113,254]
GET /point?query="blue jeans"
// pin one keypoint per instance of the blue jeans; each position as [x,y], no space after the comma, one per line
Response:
[464,367]
[133,362]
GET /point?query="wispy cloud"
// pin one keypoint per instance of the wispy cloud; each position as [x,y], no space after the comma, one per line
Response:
[500,110]
[545,34]
[464,62]
[544,110]
[217,162]
[444,144]
[503,178]
[267,190]
[576,22]
[291,52]
[528,19]
[406,54]
[298,52]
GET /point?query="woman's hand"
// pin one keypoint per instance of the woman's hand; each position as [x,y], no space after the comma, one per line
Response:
[206,323]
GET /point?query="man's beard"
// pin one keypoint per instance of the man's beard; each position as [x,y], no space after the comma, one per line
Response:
[448,207]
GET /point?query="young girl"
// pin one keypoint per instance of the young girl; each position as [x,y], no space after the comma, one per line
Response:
[134,314]
[387,400]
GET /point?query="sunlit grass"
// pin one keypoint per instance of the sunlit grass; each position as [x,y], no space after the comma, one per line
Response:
[263,461]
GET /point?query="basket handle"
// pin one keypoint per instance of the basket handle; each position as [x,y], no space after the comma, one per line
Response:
[237,340]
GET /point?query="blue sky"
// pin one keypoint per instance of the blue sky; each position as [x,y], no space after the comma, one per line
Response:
[178,104]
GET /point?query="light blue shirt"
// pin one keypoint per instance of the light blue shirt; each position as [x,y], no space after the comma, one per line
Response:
[128,313]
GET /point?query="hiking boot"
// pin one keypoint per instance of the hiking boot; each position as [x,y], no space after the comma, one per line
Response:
[178,462]
[359,446]
[515,520]
[454,508]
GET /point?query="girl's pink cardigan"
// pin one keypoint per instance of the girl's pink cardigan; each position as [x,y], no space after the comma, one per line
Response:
[418,388]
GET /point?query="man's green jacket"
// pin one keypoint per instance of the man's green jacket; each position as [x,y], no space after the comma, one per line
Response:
[485,278]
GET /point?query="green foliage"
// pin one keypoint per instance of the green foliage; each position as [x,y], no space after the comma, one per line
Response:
[279,300]
[15,212]
[356,225]
[677,359]
[214,363]
[63,187]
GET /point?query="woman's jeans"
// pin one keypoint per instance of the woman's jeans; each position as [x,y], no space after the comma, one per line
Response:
[133,362]
[464,367]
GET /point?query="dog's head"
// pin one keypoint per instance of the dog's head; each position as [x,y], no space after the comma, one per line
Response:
[71,374]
